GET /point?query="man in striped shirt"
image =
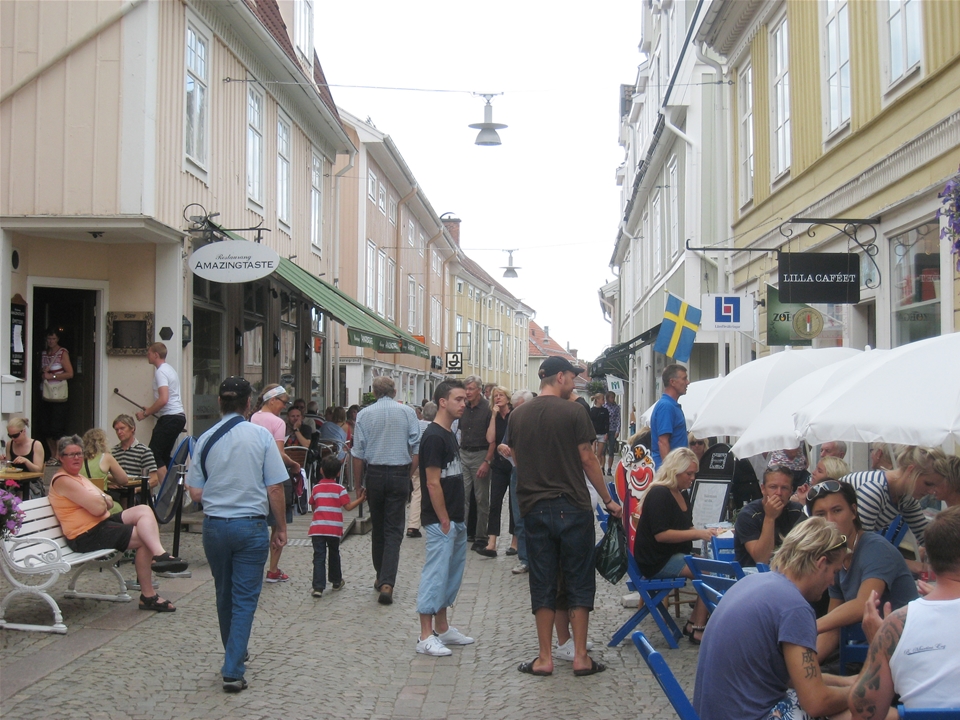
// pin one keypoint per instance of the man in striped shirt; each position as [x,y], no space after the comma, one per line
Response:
[134,457]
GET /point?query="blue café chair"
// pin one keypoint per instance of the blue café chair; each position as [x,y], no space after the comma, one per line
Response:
[712,578]
[722,548]
[665,677]
[928,713]
[896,531]
[853,646]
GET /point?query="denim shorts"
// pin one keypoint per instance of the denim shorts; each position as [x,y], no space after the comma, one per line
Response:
[560,536]
[672,569]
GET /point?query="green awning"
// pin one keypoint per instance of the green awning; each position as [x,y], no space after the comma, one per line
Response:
[364,329]
[616,360]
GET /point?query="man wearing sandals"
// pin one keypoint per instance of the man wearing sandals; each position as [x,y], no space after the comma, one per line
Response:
[238,474]
[552,442]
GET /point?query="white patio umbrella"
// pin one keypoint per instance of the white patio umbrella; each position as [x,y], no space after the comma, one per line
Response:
[736,401]
[774,428]
[911,397]
[690,403]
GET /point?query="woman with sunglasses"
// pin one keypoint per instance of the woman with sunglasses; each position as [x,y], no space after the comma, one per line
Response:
[83,511]
[872,565]
[25,452]
[665,532]
[884,494]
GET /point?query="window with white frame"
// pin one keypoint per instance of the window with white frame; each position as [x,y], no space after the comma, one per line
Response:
[372,184]
[435,261]
[391,289]
[316,202]
[780,105]
[436,313]
[284,148]
[420,296]
[745,108]
[196,101]
[303,25]
[420,244]
[657,237]
[382,199]
[903,37]
[255,145]
[466,342]
[371,275]
[392,210]
[381,283]
[459,286]
[647,245]
[411,231]
[674,195]
[837,65]
[470,291]
[411,303]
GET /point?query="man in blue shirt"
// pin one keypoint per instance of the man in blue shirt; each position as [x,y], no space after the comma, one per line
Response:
[238,474]
[668,427]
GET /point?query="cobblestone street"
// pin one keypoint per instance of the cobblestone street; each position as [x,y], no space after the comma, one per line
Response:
[343,656]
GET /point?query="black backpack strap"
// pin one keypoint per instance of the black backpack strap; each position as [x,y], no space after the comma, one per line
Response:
[221,431]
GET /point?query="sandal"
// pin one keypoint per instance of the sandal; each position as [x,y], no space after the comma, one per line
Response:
[688,629]
[594,668]
[527,668]
[155,603]
[694,629]
[168,563]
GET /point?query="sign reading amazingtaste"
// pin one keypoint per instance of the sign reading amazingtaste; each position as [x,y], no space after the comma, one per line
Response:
[234,261]
[819,278]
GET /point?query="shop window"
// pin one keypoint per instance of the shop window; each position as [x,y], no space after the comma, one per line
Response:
[915,256]
[207,290]
[289,347]
[207,366]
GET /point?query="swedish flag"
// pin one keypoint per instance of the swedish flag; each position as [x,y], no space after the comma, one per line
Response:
[678,330]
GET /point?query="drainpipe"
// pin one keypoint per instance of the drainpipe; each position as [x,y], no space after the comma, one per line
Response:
[68,49]
[668,123]
[335,370]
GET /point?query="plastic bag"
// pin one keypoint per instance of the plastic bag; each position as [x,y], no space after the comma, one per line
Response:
[611,560]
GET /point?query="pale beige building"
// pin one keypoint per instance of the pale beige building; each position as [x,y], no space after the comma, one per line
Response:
[124,128]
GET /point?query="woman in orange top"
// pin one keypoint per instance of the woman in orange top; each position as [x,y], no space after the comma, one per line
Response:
[84,514]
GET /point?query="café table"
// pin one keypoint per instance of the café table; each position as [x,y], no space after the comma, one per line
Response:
[23,480]
[134,484]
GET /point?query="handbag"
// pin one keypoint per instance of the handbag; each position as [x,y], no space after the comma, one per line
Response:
[55,390]
[611,560]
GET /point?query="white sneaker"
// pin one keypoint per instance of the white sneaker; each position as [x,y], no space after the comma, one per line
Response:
[520,569]
[433,646]
[454,637]
[567,651]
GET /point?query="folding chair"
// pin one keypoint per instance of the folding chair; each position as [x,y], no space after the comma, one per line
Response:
[665,677]
[897,531]
[722,548]
[928,713]
[712,578]
[853,646]
[652,595]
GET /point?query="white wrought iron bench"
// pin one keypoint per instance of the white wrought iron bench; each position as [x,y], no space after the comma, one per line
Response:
[40,549]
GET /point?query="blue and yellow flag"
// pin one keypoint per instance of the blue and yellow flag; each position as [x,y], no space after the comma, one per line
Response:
[678,330]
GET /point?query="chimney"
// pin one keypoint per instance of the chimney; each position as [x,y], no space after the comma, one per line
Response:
[452,225]
[546,331]
[572,351]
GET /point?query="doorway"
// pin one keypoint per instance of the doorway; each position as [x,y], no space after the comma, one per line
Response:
[74,314]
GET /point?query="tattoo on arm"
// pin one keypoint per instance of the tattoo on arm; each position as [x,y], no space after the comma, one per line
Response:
[811,669]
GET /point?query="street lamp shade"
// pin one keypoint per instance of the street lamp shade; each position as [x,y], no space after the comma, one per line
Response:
[488,128]
[510,270]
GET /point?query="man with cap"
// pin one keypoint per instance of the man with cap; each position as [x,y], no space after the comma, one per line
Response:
[551,440]
[238,474]
[668,426]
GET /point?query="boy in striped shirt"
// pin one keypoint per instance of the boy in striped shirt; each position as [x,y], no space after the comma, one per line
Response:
[328,500]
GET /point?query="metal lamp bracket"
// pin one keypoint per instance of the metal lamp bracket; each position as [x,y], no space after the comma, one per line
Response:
[850,227]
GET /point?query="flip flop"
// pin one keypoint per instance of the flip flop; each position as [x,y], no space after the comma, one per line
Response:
[527,668]
[594,668]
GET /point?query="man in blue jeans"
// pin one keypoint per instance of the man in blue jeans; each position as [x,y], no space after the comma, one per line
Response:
[386,440]
[442,514]
[237,474]
[552,443]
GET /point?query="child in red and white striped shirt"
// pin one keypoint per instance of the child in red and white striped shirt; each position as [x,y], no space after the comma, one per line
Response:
[328,500]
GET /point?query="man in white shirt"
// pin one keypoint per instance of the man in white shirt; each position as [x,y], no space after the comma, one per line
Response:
[915,653]
[166,407]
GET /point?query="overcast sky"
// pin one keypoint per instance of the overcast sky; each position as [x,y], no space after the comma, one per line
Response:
[549,190]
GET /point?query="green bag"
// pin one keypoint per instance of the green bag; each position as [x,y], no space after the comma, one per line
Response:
[612,552]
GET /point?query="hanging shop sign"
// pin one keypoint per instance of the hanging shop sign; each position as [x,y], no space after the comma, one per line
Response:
[726,312]
[790,323]
[234,261]
[819,278]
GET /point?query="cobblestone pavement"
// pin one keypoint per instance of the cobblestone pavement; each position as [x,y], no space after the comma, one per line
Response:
[343,656]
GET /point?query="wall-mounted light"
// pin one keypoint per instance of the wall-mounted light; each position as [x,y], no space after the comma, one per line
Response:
[186,331]
[276,345]
[237,340]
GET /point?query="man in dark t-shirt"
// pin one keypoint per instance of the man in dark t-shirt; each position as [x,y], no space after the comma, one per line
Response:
[763,524]
[442,516]
[551,440]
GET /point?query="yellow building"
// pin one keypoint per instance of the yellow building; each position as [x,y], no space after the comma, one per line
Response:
[844,110]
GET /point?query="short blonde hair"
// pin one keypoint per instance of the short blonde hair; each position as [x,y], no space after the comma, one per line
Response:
[834,467]
[17,424]
[500,389]
[807,543]
[922,460]
[94,443]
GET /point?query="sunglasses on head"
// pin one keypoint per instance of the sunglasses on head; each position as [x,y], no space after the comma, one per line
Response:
[827,487]
[699,442]
[842,543]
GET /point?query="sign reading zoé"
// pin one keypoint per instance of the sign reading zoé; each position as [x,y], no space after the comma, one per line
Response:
[233,261]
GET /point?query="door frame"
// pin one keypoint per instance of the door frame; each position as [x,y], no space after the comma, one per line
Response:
[102,289]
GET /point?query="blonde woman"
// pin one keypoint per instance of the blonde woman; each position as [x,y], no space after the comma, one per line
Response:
[500,470]
[829,468]
[24,452]
[99,466]
[665,532]
[884,494]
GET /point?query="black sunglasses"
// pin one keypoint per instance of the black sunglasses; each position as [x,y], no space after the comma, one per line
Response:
[15,435]
[827,487]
